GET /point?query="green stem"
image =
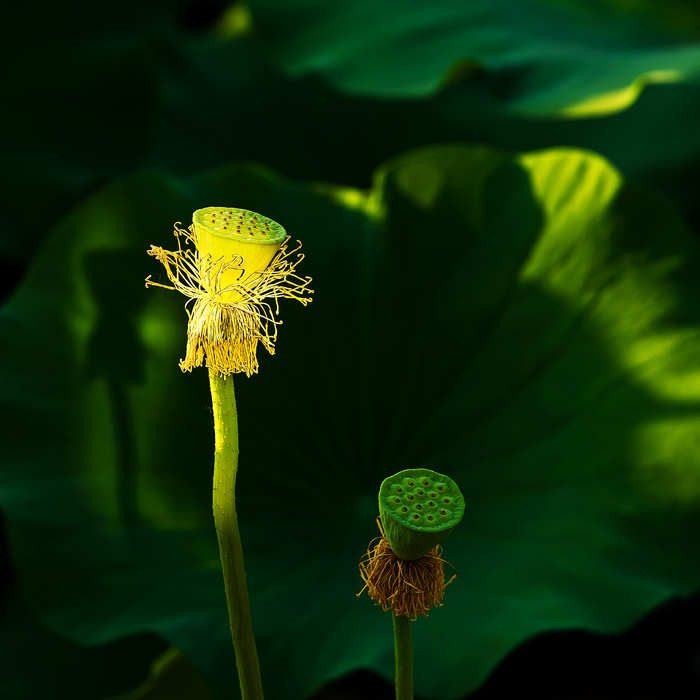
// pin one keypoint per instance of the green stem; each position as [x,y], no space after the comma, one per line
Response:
[226,521]
[403,653]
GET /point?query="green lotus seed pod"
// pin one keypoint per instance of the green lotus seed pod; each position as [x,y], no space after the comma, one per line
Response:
[418,508]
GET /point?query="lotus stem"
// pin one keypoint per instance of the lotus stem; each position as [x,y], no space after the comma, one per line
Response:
[226,522]
[403,653]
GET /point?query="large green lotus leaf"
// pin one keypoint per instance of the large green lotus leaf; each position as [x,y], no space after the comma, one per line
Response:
[546,57]
[526,324]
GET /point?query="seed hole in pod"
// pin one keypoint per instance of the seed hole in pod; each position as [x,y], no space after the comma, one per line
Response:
[404,510]
[416,516]
[426,482]
[430,517]
[411,483]
[397,500]
[399,489]
[440,488]
[419,506]
[419,492]
[431,504]
[433,495]
[443,512]
[410,496]
[445,500]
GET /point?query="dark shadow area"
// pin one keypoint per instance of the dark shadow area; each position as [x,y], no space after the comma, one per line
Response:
[115,353]
[34,659]
[10,276]
[657,659]
[7,576]
[200,15]
[360,684]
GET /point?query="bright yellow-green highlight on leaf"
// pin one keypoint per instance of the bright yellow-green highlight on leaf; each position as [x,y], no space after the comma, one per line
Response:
[238,264]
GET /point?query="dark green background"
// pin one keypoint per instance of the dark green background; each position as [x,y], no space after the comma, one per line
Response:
[493,300]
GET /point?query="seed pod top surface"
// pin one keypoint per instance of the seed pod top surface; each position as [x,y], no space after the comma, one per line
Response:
[422,500]
[240,224]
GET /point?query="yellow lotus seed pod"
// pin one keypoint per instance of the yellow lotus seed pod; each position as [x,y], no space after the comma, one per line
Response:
[235,274]
[244,242]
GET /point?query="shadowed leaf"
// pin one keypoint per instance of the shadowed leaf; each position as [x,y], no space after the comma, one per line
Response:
[542,57]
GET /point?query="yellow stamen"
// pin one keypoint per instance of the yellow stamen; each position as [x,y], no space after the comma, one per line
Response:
[232,293]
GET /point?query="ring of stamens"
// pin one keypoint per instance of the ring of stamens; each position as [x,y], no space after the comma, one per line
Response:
[223,335]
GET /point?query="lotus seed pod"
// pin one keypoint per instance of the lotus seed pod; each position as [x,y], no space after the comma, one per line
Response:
[224,233]
[418,508]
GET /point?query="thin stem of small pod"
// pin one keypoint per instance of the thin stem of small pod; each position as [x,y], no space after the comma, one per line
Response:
[226,521]
[403,653]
